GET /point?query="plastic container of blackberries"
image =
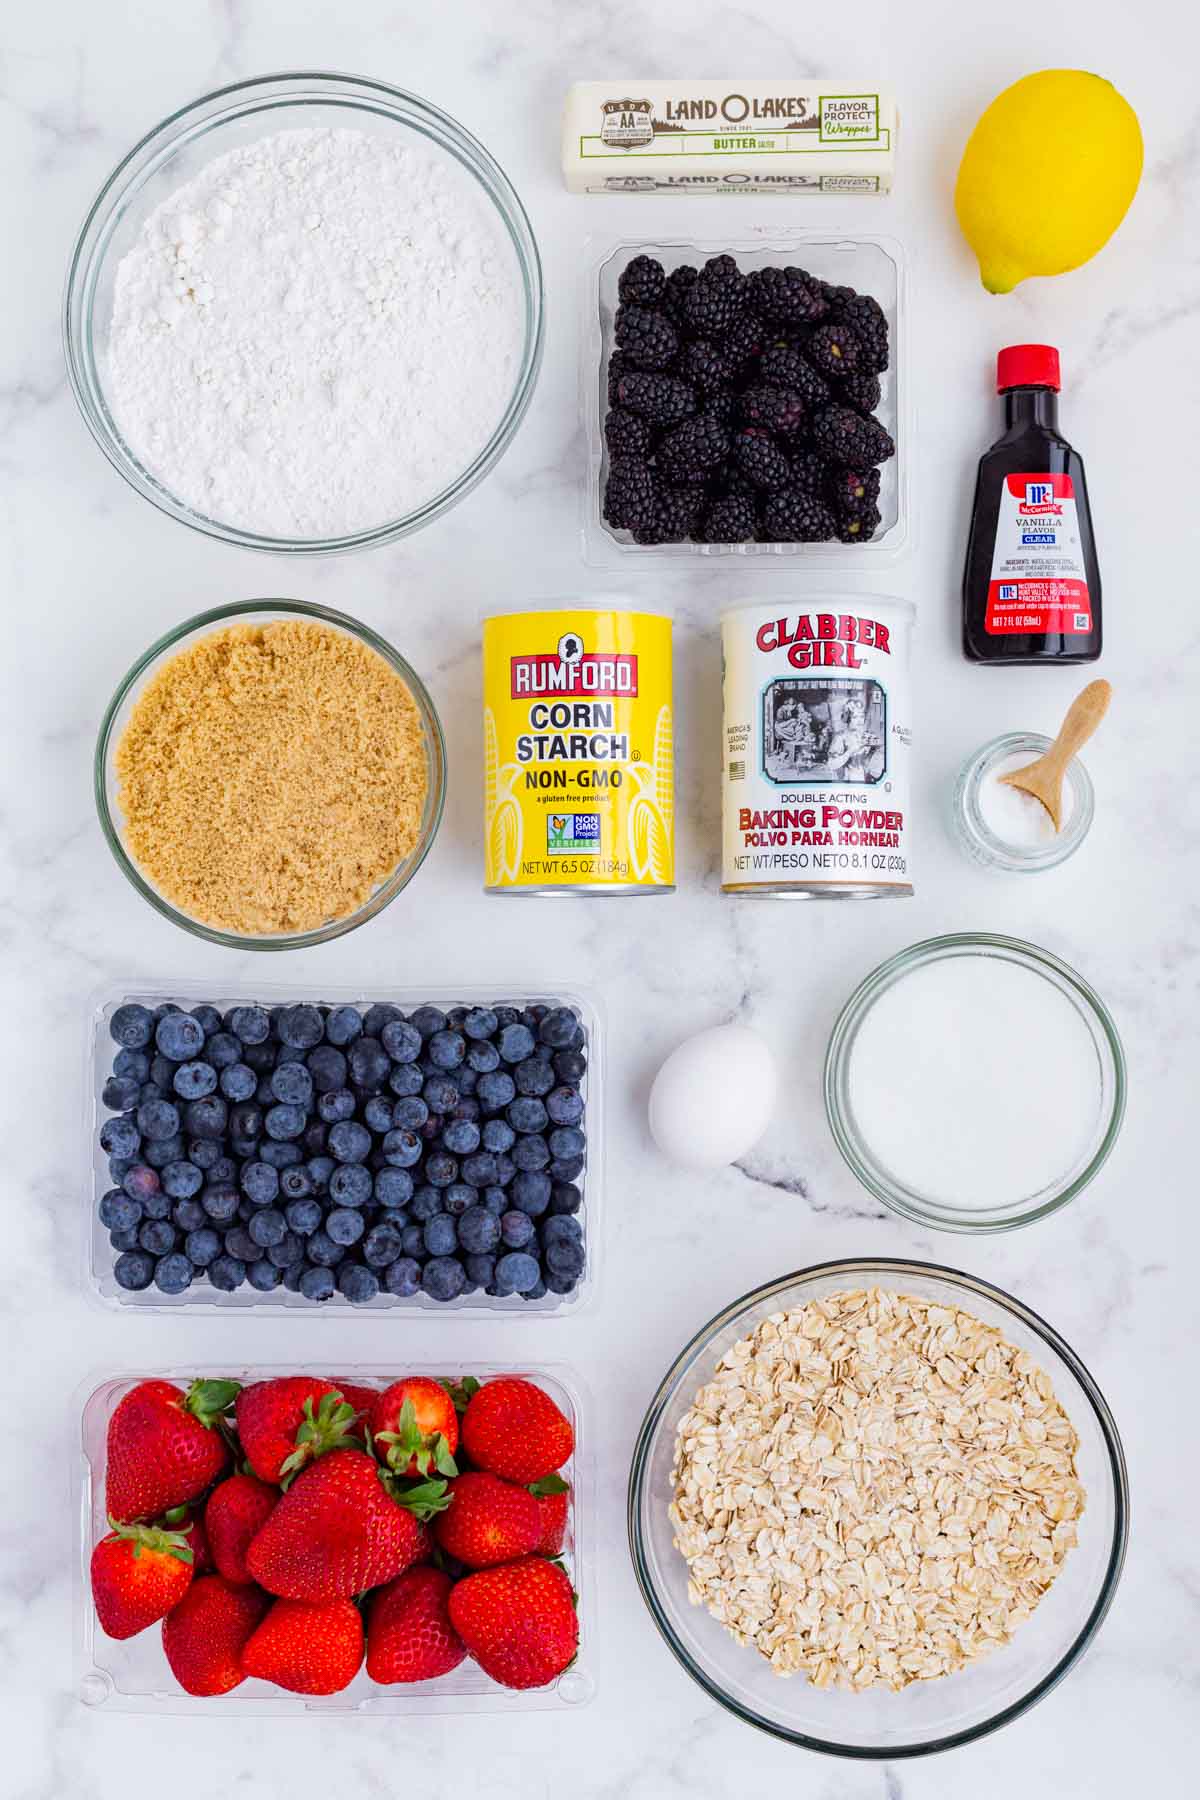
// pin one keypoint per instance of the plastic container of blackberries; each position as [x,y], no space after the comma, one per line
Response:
[99,1252]
[132,1675]
[873,265]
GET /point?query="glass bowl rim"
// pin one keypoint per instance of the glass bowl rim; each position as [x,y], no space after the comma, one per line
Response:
[856,1267]
[388,889]
[91,245]
[999,853]
[882,977]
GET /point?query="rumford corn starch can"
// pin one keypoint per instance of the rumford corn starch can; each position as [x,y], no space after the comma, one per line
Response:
[579,767]
[817,744]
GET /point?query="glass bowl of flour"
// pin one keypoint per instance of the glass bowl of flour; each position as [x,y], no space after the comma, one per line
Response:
[305,314]
[975,1083]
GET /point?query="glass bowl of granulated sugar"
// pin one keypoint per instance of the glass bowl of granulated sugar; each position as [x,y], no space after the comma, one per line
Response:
[305,314]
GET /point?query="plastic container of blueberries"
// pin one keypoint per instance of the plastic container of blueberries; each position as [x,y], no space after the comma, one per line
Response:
[873,265]
[99,1283]
[133,1675]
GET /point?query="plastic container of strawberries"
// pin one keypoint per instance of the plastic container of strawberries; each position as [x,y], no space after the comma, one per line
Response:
[98,1255]
[133,1675]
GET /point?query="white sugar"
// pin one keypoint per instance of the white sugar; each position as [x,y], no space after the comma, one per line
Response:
[1014,817]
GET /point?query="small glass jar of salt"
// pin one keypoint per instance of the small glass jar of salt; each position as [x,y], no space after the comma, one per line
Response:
[1006,829]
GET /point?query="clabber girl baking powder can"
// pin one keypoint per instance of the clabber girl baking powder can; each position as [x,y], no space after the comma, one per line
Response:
[578,751]
[817,745]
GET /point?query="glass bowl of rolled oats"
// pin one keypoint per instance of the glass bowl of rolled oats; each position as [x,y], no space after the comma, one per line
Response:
[878,1508]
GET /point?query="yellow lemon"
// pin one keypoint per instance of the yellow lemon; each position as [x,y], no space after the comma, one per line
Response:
[1047,175]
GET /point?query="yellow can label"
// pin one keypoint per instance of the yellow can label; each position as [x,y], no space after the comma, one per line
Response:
[578,753]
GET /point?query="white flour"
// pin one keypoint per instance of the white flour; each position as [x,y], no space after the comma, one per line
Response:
[316,334]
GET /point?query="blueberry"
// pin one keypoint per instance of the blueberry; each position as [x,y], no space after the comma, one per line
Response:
[564,1257]
[530,1192]
[173,1273]
[516,1272]
[401,1040]
[515,1043]
[410,1112]
[292,1276]
[569,1065]
[403,1277]
[443,1278]
[497,1135]
[156,1206]
[441,1238]
[482,1057]
[157,1236]
[536,1292]
[207,1118]
[494,1091]
[267,1227]
[120,1092]
[350,1142]
[239,1243]
[327,1068]
[220,1203]
[351,1185]
[441,1093]
[565,1106]
[259,1182]
[222,1050]
[405,1079]
[481,1022]
[321,1248]
[527,1114]
[461,1136]
[202,1247]
[530,1153]
[227,1273]
[194,1079]
[336,1105]
[179,1037]
[479,1170]
[120,1137]
[118,1168]
[141,1183]
[125,1240]
[377,1113]
[280,1156]
[208,1018]
[344,1226]
[496,1200]
[402,1148]
[393,1187]
[263,1275]
[259,1057]
[315,1138]
[320,1168]
[292,1084]
[446,1049]
[369,1063]
[566,1142]
[457,1197]
[343,1025]
[425,1202]
[134,1270]
[533,1077]
[118,1212]
[565,1197]
[131,1065]
[441,1169]
[250,1024]
[317,1284]
[516,1229]
[158,1119]
[358,1283]
[413,1239]
[480,1269]
[427,1020]
[300,1027]
[478,1230]
[561,1228]
[284,1122]
[295,1183]
[382,1246]
[131,1026]
[303,1216]
[287,1253]
[558,1027]
[238,1082]
[383,1013]
[188,1215]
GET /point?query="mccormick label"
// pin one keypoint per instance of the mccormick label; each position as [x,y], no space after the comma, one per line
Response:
[817,743]
[1038,578]
[578,752]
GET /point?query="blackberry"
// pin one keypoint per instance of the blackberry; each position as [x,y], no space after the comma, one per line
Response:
[791,517]
[730,520]
[787,294]
[853,492]
[675,292]
[861,391]
[714,301]
[835,350]
[617,367]
[720,265]
[809,470]
[866,319]
[702,363]
[761,460]
[744,341]
[778,409]
[648,340]
[627,435]
[850,440]
[642,281]
[693,449]
[783,366]
[675,513]
[859,530]
[720,406]
[629,494]
[661,399]
[834,296]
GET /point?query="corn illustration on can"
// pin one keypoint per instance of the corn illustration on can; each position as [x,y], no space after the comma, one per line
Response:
[578,752]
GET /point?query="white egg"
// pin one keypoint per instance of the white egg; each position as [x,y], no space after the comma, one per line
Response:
[713,1097]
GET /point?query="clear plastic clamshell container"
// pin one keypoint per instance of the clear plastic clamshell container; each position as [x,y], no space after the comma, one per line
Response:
[99,1254]
[872,265]
[133,1675]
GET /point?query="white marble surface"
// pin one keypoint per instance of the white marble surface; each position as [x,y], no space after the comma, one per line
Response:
[90,574]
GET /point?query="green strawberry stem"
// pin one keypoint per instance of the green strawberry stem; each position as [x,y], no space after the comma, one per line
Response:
[327,1428]
[153,1537]
[423,1498]
[462,1392]
[208,1400]
[409,1444]
[549,1484]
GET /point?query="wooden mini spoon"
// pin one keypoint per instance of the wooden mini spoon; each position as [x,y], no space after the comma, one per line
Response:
[1044,778]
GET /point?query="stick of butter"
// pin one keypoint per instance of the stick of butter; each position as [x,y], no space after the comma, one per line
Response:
[717,137]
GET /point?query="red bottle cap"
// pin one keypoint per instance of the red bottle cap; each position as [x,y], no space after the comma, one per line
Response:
[1027,365]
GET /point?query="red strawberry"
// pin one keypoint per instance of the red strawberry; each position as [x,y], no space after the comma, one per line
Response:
[488,1521]
[512,1428]
[164,1446]
[190,1521]
[553,1498]
[285,1423]
[139,1573]
[310,1649]
[409,1634]
[355,1395]
[416,1423]
[518,1622]
[338,1530]
[237,1509]
[205,1635]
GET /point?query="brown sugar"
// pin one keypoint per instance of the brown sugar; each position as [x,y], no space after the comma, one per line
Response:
[271,776]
